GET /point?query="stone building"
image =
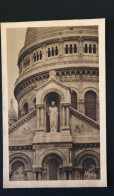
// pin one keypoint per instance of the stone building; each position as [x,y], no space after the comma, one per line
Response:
[61,65]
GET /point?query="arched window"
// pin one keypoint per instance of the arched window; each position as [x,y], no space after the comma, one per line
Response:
[66,50]
[40,55]
[34,57]
[94,48]
[74,100]
[86,49]
[75,48]
[89,169]
[56,50]
[90,104]
[90,48]
[71,48]
[18,171]
[25,108]
[28,60]
[34,102]
[48,52]
[37,56]
[52,51]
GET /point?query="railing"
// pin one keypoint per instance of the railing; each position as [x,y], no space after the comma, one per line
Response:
[85,118]
[22,121]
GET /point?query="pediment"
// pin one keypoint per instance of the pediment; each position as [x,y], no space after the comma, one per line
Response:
[52,82]
[52,85]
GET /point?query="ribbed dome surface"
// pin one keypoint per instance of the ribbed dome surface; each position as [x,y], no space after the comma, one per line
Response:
[35,35]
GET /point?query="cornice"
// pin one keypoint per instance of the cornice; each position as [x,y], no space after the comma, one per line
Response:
[73,75]
[85,118]
[22,121]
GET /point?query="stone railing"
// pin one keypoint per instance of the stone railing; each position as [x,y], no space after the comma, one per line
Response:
[84,118]
[22,121]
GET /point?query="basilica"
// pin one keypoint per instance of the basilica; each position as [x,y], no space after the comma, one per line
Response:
[56,133]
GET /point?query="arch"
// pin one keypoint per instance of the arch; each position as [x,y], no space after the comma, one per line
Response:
[90,89]
[25,108]
[34,102]
[51,156]
[20,157]
[53,90]
[52,151]
[51,163]
[49,98]
[90,154]
[74,100]
[77,91]
[90,104]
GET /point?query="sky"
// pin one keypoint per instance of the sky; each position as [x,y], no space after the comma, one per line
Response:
[15,41]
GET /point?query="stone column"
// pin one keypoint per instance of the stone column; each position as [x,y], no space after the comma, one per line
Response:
[44,53]
[70,161]
[70,175]
[29,175]
[64,175]
[63,116]
[34,175]
[34,157]
[40,116]
[97,111]
[39,176]
[67,116]
[80,48]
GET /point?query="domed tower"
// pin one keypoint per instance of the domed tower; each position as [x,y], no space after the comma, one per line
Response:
[12,116]
[72,52]
[58,104]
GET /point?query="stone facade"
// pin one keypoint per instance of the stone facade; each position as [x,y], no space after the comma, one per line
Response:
[57,64]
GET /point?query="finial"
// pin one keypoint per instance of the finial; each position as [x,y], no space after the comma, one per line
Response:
[11,102]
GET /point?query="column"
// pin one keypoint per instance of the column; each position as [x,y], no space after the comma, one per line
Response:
[44,53]
[70,156]
[34,175]
[63,116]
[64,175]
[40,117]
[34,156]
[97,111]
[39,176]
[67,116]
[29,175]
[37,117]
[70,175]
[80,46]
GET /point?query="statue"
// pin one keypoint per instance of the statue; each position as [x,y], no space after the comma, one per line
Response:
[53,116]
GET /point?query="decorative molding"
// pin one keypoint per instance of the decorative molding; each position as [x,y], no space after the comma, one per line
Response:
[85,118]
[79,128]
[22,121]
[27,131]
[85,72]
[19,148]
[86,145]
[64,145]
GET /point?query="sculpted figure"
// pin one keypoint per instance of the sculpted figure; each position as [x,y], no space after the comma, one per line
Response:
[53,115]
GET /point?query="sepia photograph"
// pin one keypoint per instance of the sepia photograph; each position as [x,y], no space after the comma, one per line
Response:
[54,112]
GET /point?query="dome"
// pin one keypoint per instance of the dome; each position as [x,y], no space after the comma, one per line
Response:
[38,35]
[12,114]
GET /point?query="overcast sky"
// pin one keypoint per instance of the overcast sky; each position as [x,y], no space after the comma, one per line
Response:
[15,41]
